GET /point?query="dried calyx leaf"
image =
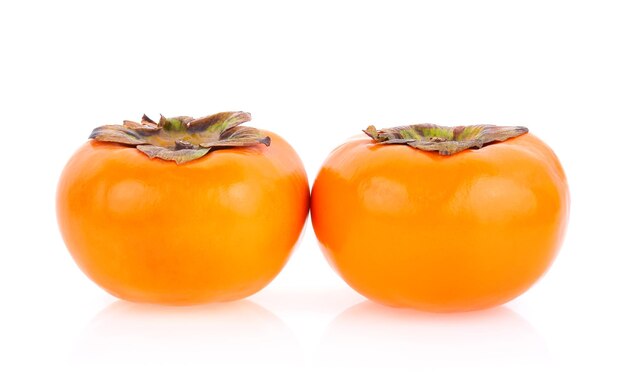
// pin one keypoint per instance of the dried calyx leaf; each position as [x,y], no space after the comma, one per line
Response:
[182,139]
[446,140]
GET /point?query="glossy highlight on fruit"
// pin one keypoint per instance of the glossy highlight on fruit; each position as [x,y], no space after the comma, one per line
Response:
[184,211]
[439,218]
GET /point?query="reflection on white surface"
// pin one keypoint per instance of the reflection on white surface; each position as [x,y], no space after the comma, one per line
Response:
[239,332]
[369,334]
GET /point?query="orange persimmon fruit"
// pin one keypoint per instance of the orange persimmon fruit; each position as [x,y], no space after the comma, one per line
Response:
[467,228]
[182,211]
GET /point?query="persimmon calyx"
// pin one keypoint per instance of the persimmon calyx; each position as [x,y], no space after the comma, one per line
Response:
[183,139]
[447,140]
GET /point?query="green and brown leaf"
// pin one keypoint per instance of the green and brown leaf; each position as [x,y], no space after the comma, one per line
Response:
[183,139]
[446,140]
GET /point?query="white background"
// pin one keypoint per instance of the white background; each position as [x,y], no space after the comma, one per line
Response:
[317,73]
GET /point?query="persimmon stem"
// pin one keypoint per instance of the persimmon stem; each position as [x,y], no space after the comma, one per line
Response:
[183,139]
[445,140]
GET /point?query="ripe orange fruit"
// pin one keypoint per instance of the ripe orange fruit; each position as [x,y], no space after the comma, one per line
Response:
[461,230]
[218,227]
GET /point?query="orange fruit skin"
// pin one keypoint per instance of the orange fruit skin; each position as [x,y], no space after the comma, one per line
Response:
[215,229]
[409,228]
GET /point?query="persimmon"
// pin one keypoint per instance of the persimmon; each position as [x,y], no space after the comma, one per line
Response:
[441,218]
[182,211]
